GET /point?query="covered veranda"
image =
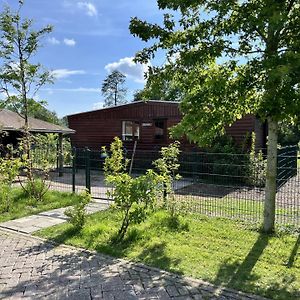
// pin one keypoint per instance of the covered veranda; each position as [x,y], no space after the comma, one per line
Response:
[12,128]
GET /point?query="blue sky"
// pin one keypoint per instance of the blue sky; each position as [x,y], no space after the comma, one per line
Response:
[90,39]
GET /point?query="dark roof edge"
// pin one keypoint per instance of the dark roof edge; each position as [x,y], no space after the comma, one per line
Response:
[68,131]
[126,104]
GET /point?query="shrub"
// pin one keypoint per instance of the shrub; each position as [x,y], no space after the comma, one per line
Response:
[256,170]
[115,163]
[226,161]
[134,197]
[77,214]
[37,159]
[9,170]
[167,167]
[36,188]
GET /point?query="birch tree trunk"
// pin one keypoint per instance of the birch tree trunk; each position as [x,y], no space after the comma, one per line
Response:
[270,197]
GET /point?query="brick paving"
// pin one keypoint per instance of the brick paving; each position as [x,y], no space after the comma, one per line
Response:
[31,268]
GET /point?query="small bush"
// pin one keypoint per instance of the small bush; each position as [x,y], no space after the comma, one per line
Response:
[36,188]
[167,166]
[5,198]
[77,214]
[134,197]
[9,170]
[256,171]
[38,157]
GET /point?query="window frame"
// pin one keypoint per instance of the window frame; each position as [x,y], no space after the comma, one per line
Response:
[135,125]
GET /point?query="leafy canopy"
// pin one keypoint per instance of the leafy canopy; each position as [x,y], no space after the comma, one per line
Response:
[229,58]
[20,77]
[36,109]
[159,88]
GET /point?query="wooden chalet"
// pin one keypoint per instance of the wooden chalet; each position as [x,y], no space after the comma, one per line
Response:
[148,123]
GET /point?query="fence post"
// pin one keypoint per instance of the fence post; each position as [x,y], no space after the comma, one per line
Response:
[73,169]
[88,169]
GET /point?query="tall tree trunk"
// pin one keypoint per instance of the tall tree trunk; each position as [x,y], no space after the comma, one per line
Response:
[270,197]
[116,93]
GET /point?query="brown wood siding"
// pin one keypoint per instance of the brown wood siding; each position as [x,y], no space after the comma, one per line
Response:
[98,128]
[241,130]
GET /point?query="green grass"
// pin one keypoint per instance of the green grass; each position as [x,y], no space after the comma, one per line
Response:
[22,206]
[217,250]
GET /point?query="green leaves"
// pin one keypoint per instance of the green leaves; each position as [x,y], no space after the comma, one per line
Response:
[77,214]
[116,163]
[135,197]
[214,97]
[233,58]
[19,42]
[9,171]
[167,167]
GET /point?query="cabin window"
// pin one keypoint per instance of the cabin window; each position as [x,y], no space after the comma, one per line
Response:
[159,132]
[130,130]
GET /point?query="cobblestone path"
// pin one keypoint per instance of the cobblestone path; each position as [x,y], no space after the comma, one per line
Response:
[33,269]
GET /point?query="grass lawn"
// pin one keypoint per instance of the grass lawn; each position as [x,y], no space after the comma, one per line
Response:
[23,206]
[217,250]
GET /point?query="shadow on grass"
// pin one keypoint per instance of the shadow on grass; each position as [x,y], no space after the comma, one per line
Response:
[174,224]
[64,235]
[236,273]
[240,276]
[294,252]
[137,240]
[170,224]
[120,248]
[155,255]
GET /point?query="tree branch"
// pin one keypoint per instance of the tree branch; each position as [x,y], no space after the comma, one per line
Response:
[288,10]
[262,35]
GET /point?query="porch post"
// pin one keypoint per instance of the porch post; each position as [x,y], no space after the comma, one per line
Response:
[60,155]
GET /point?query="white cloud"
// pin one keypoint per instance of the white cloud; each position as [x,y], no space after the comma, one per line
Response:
[73,90]
[89,8]
[98,105]
[69,42]
[53,41]
[128,67]
[64,73]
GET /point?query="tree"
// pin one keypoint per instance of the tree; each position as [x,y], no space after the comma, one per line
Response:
[289,134]
[35,110]
[232,58]
[158,88]
[20,78]
[113,89]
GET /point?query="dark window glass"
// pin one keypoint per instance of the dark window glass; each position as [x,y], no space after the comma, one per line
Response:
[159,129]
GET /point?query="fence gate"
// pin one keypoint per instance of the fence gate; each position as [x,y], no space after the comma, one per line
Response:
[88,174]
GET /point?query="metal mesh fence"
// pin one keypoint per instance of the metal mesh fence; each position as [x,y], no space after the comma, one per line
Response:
[233,185]
[215,184]
[45,163]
